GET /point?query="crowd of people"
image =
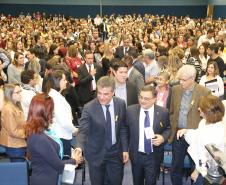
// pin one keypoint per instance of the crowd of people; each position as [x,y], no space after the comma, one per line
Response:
[123,85]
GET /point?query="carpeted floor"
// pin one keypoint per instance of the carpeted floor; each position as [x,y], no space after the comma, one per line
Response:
[127,180]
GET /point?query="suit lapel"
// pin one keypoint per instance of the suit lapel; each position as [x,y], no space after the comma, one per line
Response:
[156,118]
[137,122]
[116,116]
[100,113]
[85,69]
[179,97]
[193,98]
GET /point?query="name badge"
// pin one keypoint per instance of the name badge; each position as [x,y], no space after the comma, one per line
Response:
[149,133]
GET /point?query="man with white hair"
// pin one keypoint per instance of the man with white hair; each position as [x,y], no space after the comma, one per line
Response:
[151,65]
[183,114]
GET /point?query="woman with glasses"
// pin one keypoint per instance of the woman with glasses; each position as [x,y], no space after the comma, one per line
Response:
[12,134]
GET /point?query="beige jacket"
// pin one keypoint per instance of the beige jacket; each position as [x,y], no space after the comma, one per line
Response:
[193,117]
[12,133]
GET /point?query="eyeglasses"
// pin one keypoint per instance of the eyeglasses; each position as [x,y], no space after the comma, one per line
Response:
[18,92]
[145,98]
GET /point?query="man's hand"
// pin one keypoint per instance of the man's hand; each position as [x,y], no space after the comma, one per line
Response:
[77,155]
[93,72]
[125,156]
[158,140]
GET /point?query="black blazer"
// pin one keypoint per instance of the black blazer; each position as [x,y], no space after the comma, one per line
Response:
[119,53]
[161,125]
[84,83]
[92,130]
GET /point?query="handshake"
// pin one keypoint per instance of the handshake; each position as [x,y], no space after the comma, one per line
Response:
[77,155]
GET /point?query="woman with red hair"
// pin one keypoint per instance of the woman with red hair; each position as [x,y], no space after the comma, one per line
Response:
[44,148]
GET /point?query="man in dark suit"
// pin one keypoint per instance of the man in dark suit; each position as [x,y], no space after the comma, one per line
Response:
[88,75]
[134,76]
[121,51]
[137,63]
[103,135]
[124,89]
[149,128]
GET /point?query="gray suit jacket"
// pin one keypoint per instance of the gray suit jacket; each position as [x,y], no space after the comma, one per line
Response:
[136,78]
[92,130]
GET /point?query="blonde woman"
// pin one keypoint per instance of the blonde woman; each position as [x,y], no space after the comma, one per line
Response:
[12,134]
[107,57]
[174,64]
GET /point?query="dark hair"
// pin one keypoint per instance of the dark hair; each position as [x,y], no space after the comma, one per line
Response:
[32,50]
[214,47]
[195,53]
[128,60]
[27,76]
[88,52]
[51,50]
[210,31]
[163,51]
[151,89]
[117,65]
[53,81]
[212,107]
[221,46]
[40,114]
[1,81]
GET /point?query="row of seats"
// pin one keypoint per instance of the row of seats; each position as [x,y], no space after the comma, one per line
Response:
[20,169]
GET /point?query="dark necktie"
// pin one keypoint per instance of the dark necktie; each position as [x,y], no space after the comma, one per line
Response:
[91,85]
[108,126]
[147,142]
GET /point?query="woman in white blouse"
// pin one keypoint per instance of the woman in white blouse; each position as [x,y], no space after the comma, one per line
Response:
[212,80]
[62,119]
[210,131]
[203,57]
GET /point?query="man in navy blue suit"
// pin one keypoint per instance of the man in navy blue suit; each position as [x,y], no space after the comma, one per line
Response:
[149,128]
[103,135]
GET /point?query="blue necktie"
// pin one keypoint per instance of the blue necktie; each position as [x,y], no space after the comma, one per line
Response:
[108,126]
[147,142]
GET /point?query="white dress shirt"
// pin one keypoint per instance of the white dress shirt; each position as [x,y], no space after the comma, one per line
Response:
[121,92]
[141,126]
[113,119]
[93,81]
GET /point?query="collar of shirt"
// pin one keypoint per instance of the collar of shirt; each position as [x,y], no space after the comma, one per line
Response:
[87,67]
[117,86]
[111,107]
[151,109]
[190,90]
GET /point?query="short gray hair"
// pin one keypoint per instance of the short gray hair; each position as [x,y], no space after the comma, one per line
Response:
[106,81]
[149,53]
[187,71]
